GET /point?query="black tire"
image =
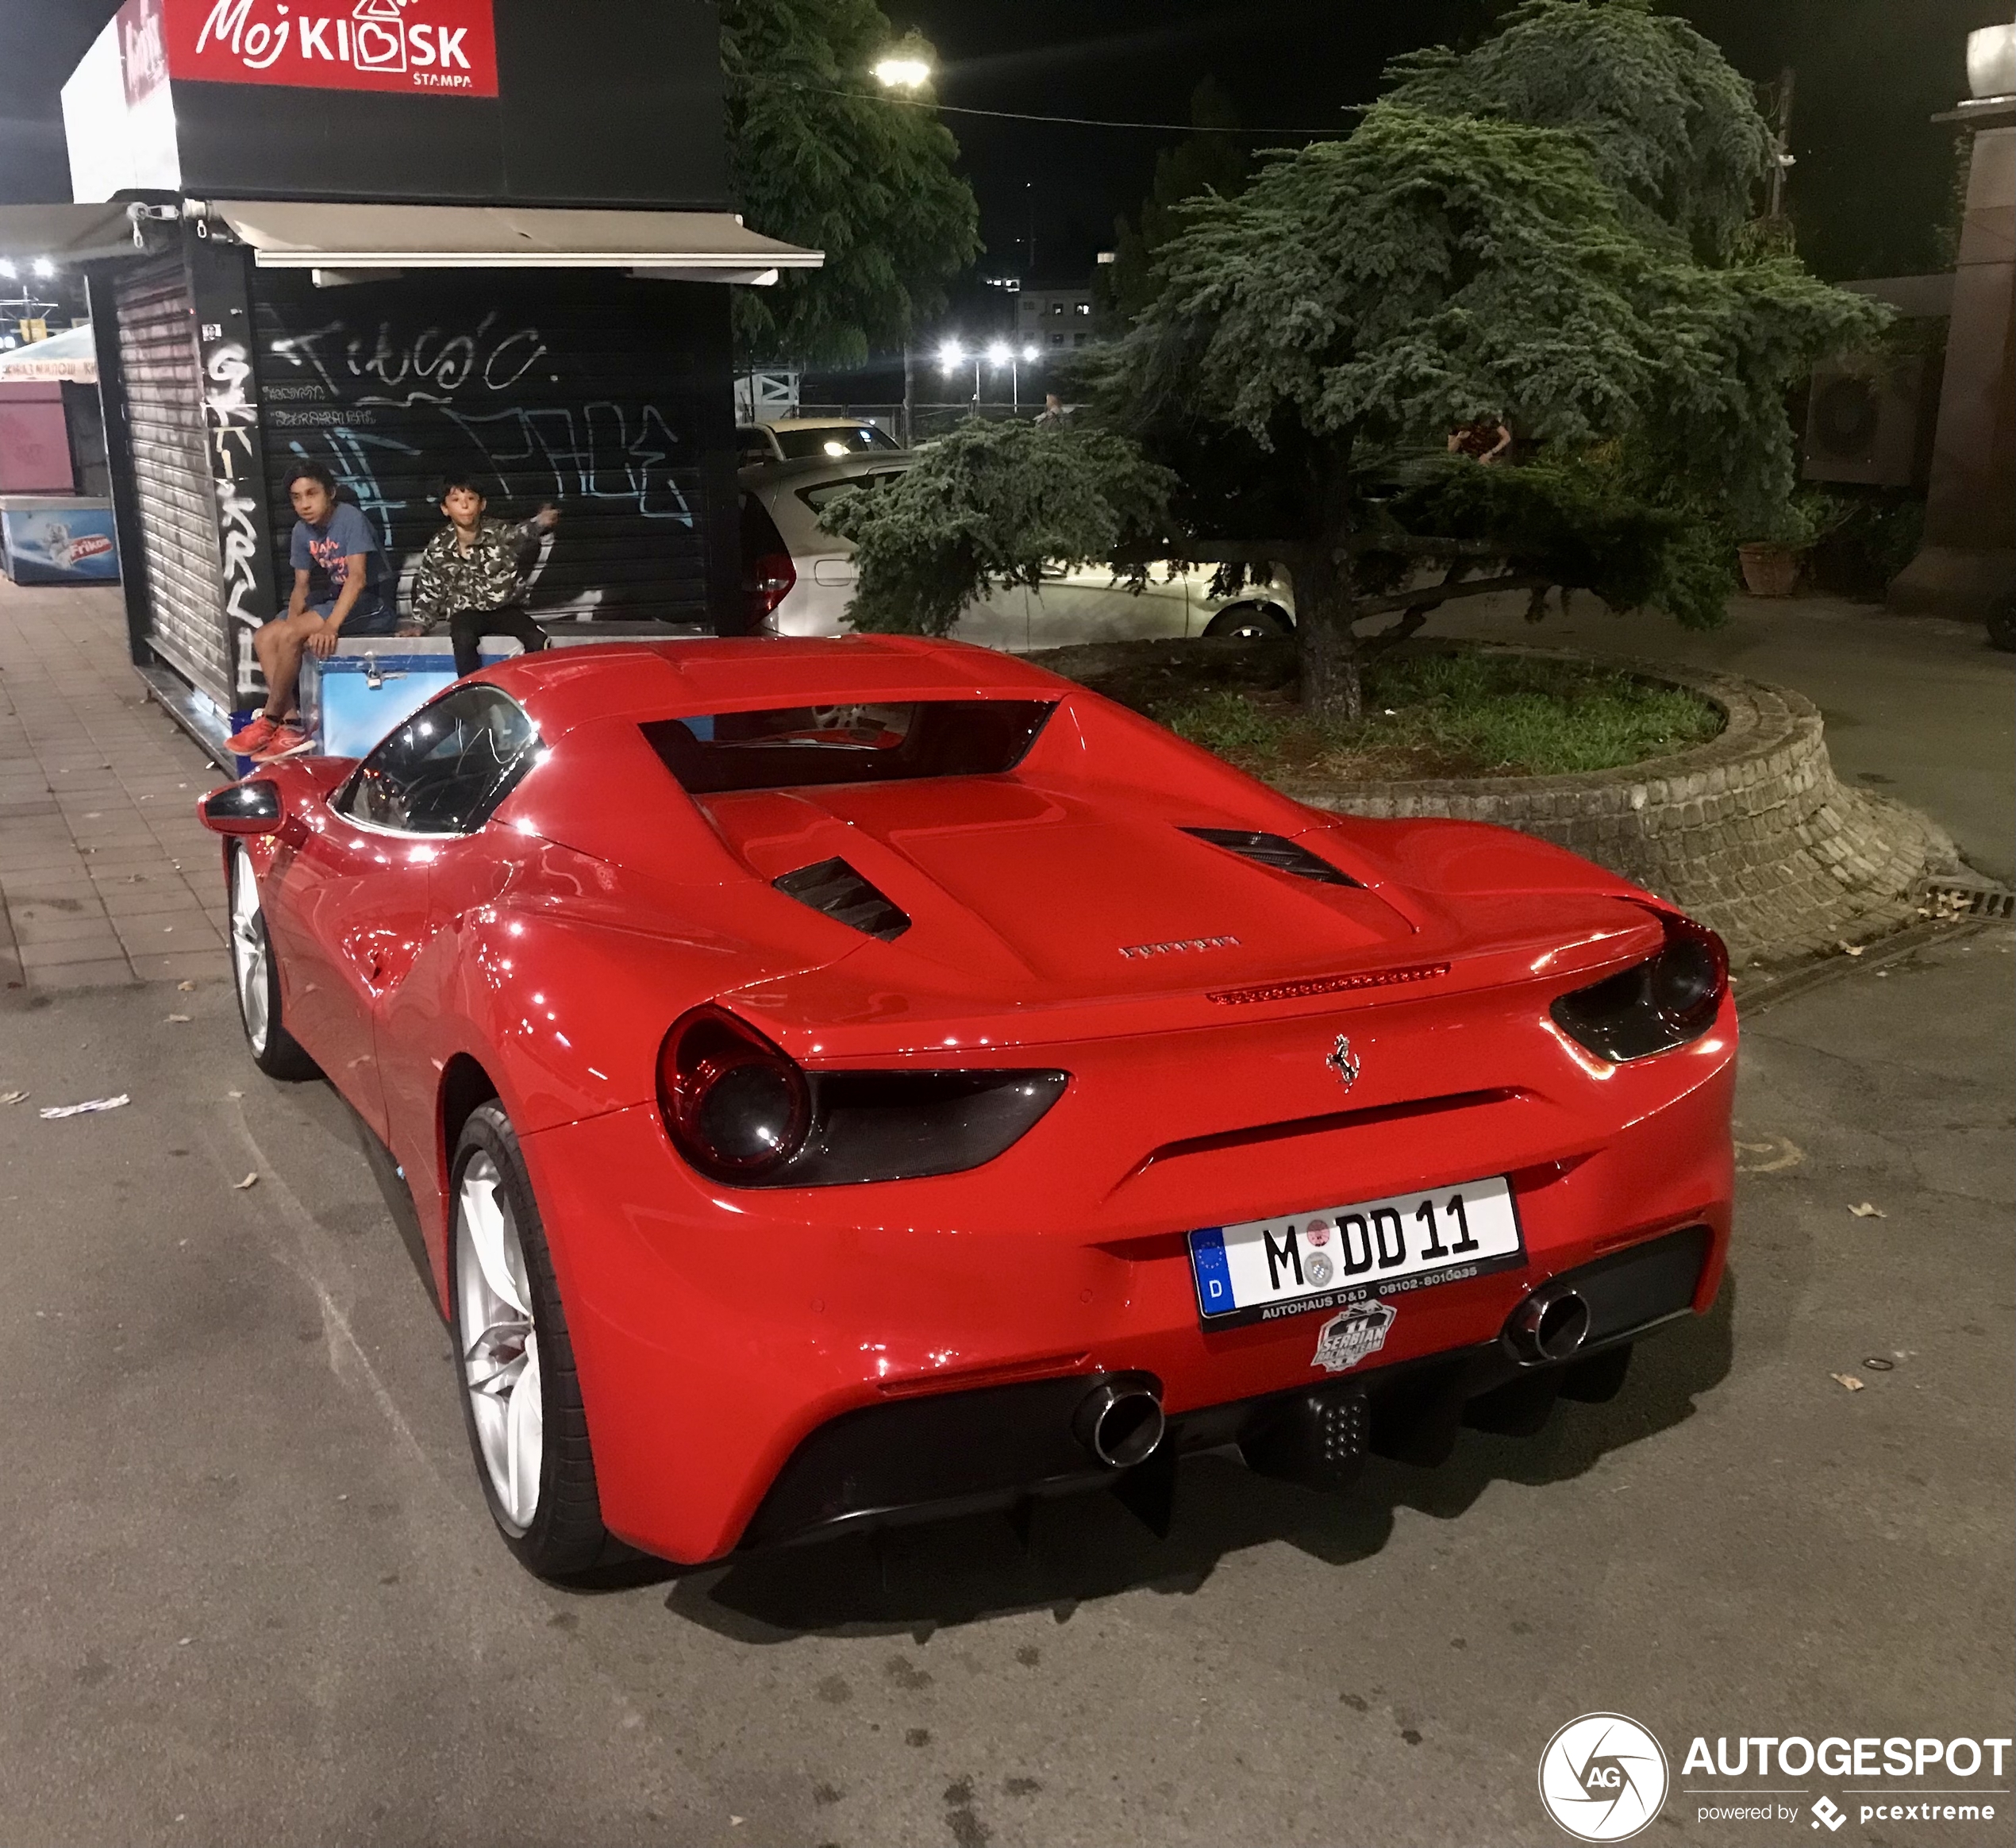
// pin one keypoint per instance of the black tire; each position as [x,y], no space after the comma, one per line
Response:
[2002,622]
[1251,619]
[564,1539]
[256,980]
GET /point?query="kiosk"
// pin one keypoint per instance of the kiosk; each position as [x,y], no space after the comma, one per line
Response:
[487,236]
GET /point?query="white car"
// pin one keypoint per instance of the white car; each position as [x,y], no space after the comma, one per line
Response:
[797,578]
[811,439]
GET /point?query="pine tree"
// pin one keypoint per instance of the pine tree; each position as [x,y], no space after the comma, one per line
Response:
[1543,229]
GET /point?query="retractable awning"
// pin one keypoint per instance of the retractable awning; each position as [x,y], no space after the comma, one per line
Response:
[65,233]
[677,246]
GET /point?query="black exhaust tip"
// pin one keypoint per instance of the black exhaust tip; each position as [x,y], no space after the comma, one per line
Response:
[1549,1325]
[1120,1422]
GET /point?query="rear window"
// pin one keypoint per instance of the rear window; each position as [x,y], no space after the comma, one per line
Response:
[798,746]
[834,440]
[822,494]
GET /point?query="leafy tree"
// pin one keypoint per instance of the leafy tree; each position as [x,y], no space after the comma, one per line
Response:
[821,156]
[1312,340]
[1212,160]
[999,501]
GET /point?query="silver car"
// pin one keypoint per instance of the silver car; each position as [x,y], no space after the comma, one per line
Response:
[811,439]
[799,578]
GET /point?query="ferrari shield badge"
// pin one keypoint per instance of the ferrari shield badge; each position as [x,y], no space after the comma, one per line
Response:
[1352,1335]
[1344,1062]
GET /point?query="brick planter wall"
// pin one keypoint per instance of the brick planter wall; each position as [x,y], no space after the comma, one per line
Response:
[1750,833]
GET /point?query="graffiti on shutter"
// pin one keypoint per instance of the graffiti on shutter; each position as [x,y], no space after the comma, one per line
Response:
[231,416]
[594,394]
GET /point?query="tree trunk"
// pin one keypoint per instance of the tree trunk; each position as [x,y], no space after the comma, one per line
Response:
[1323,580]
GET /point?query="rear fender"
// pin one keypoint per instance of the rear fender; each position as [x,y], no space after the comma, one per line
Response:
[565,1014]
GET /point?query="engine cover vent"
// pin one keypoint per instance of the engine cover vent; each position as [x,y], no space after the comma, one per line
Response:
[1276,851]
[834,887]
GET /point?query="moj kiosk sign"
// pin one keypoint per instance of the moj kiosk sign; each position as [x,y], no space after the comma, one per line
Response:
[402,45]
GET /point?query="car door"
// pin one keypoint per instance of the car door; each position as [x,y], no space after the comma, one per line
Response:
[467,752]
[361,880]
[356,898]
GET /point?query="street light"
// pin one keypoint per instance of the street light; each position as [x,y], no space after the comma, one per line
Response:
[44,267]
[952,356]
[903,73]
[1001,354]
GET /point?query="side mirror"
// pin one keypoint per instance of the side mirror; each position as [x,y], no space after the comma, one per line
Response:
[242,808]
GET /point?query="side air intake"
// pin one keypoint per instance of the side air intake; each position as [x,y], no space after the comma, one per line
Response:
[1276,851]
[834,887]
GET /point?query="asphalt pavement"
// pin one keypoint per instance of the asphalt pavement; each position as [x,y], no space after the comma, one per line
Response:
[250,1593]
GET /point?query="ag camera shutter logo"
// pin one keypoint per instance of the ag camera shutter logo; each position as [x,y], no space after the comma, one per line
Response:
[1602,1777]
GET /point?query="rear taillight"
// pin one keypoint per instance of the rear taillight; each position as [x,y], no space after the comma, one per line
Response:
[743,1111]
[769,582]
[737,1107]
[1653,1006]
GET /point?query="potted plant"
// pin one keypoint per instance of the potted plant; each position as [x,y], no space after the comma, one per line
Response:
[1771,561]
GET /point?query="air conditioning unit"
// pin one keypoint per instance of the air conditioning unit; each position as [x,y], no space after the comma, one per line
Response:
[1869,419]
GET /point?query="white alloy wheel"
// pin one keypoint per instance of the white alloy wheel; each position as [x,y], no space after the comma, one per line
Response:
[500,1357]
[249,953]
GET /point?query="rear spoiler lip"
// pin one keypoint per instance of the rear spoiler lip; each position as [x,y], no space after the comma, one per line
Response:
[991,1031]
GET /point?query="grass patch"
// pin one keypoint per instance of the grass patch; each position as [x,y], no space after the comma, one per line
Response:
[1440,713]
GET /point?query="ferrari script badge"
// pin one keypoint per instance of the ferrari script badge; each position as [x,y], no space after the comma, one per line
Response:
[1352,1335]
[1344,1062]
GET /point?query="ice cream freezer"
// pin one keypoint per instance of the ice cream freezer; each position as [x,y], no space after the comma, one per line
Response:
[351,699]
[58,539]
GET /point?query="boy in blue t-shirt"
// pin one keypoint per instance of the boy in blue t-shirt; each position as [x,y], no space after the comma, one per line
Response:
[333,540]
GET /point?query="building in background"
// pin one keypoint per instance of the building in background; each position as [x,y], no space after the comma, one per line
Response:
[1055,317]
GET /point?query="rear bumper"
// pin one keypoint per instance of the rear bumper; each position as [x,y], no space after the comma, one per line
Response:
[963,1453]
[716,1336]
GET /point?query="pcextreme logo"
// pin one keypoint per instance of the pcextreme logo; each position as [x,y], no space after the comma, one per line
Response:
[1602,1777]
[443,46]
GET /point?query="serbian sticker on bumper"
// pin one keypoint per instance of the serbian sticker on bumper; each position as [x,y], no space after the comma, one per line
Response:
[1267,1269]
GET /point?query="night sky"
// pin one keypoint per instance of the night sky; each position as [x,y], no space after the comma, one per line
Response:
[1873,178]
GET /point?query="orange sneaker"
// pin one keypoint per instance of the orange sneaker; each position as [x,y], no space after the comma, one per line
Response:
[285,742]
[255,735]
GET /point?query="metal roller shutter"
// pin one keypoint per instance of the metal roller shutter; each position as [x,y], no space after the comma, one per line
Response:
[606,396]
[173,500]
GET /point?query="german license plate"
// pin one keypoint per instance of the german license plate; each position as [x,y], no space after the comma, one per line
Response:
[1270,1267]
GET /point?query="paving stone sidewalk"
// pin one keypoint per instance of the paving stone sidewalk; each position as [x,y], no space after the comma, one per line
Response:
[105,876]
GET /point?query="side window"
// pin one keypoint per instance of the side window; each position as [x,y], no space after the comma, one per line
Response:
[445,770]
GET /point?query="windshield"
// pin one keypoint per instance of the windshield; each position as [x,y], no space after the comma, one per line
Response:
[834,440]
[795,746]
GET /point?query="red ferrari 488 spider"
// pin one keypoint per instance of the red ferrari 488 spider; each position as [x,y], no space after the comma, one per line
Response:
[845,1081]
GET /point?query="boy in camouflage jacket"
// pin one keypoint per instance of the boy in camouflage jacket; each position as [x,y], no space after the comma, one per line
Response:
[468,576]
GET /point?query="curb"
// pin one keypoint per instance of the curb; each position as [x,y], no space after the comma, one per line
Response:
[1751,832]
